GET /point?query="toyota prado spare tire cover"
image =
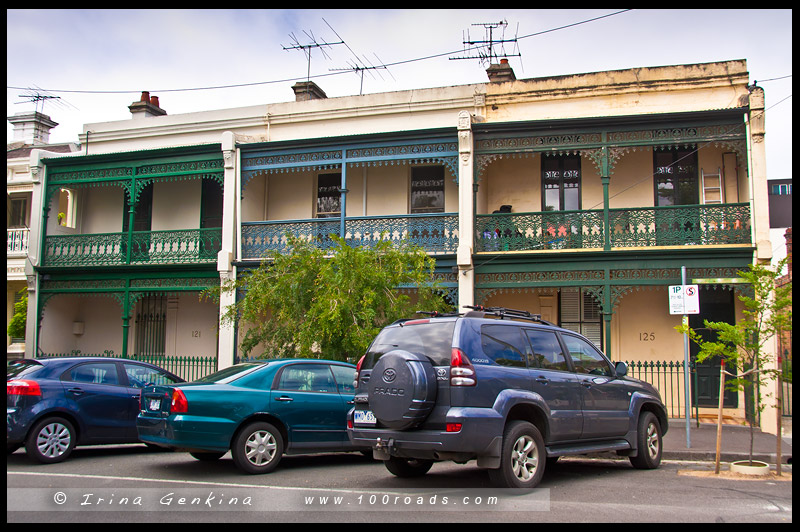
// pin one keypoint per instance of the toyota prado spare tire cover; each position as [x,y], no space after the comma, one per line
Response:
[402,389]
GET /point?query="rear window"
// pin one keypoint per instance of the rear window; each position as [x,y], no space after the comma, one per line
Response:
[22,368]
[231,373]
[433,339]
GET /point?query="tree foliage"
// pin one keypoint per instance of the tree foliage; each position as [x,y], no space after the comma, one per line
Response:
[317,303]
[16,327]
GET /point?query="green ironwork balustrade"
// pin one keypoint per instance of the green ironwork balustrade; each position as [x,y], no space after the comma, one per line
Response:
[532,231]
[680,225]
[436,233]
[182,246]
[635,227]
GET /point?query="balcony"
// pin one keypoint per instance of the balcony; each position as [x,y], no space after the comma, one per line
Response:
[684,225]
[17,241]
[435,233]
[184,246]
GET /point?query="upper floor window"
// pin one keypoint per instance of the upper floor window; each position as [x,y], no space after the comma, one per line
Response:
[561,182]
[784,189]
[17,213]
[427,189]
[675,177]
[329,195]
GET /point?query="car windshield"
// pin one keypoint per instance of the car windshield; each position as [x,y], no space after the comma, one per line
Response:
[232,373]
[432,339]
[21,368]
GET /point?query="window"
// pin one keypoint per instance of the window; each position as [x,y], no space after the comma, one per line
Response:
[503,344]
[307,378]
[93,373]
[675,177]
[580,312]
[17,213]
[585,357]
[329,195]
[561,182]
[547,353]
[781,190]
[427,189]
[345,376]
[140,376]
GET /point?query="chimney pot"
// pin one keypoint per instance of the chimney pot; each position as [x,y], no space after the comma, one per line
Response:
[145,96]
[154,100]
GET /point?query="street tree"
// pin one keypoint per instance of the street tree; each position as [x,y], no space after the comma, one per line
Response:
[329,303]
[767,312]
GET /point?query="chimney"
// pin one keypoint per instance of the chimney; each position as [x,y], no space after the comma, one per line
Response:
[500,73]
[308,90]
[32,127]
[146,106]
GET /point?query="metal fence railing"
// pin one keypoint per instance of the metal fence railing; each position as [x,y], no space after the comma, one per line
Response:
[189,368]
[668,378]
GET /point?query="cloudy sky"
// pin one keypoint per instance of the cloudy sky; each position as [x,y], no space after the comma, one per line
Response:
[99,61]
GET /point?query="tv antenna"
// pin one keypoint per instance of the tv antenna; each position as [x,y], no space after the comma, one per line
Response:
[307,48]
[486,47]
[39,97]
[360,65]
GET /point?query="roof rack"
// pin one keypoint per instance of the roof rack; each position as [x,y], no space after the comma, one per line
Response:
[505,313]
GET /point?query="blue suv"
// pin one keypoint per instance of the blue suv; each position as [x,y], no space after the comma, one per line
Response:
[502,387]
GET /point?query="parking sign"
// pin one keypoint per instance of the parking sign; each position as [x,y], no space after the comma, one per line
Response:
[684,299]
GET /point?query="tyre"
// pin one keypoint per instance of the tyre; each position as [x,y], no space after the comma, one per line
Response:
[257,448]
[402,389]
[649,443]
[206,456]
[522,462]
[51,440]
[407,467]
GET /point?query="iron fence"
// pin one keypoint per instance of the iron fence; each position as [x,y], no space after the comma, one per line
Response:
[189,368]
[668,378]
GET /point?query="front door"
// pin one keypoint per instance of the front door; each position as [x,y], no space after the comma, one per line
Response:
[715,305]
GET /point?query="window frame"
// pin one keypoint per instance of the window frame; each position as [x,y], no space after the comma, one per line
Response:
[561,161]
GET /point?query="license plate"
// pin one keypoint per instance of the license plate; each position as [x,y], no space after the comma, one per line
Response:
[154,405]
[364,417]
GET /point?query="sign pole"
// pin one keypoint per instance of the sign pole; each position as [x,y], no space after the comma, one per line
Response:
[687,384]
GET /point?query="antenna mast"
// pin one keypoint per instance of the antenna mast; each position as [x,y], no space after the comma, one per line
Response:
[486,48]
[306,48]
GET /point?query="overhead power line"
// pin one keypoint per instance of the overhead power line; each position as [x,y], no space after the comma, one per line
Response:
[286,80]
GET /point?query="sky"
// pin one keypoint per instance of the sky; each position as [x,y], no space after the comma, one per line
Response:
[97,62]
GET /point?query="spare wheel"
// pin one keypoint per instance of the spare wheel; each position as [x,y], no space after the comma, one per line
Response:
[402,389]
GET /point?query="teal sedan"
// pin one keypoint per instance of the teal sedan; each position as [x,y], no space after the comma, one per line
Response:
[257,410]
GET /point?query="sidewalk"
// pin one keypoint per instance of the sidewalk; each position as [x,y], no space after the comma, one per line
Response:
[735,443]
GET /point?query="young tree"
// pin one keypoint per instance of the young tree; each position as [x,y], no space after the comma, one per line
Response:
[741,346]
[329,303]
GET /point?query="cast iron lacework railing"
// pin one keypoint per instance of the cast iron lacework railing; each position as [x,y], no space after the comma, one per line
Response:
[183,246]
[636,227]
[436,233]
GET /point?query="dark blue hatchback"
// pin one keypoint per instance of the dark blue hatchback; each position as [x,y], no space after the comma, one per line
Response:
[55,404]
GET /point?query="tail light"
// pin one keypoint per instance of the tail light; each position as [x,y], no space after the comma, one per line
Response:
[23,387]
[179,403]
[358,371]
[462,373]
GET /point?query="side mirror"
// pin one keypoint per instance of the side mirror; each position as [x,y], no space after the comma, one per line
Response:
[621,368]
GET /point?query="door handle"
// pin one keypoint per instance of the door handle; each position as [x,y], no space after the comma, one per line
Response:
[284,399]
[541,379]
[76,391]
[351,402]
[587,384]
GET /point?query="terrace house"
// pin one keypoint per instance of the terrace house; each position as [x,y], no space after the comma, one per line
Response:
[579,197]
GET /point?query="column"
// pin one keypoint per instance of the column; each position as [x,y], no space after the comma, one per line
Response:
[226,347]
[466,211]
